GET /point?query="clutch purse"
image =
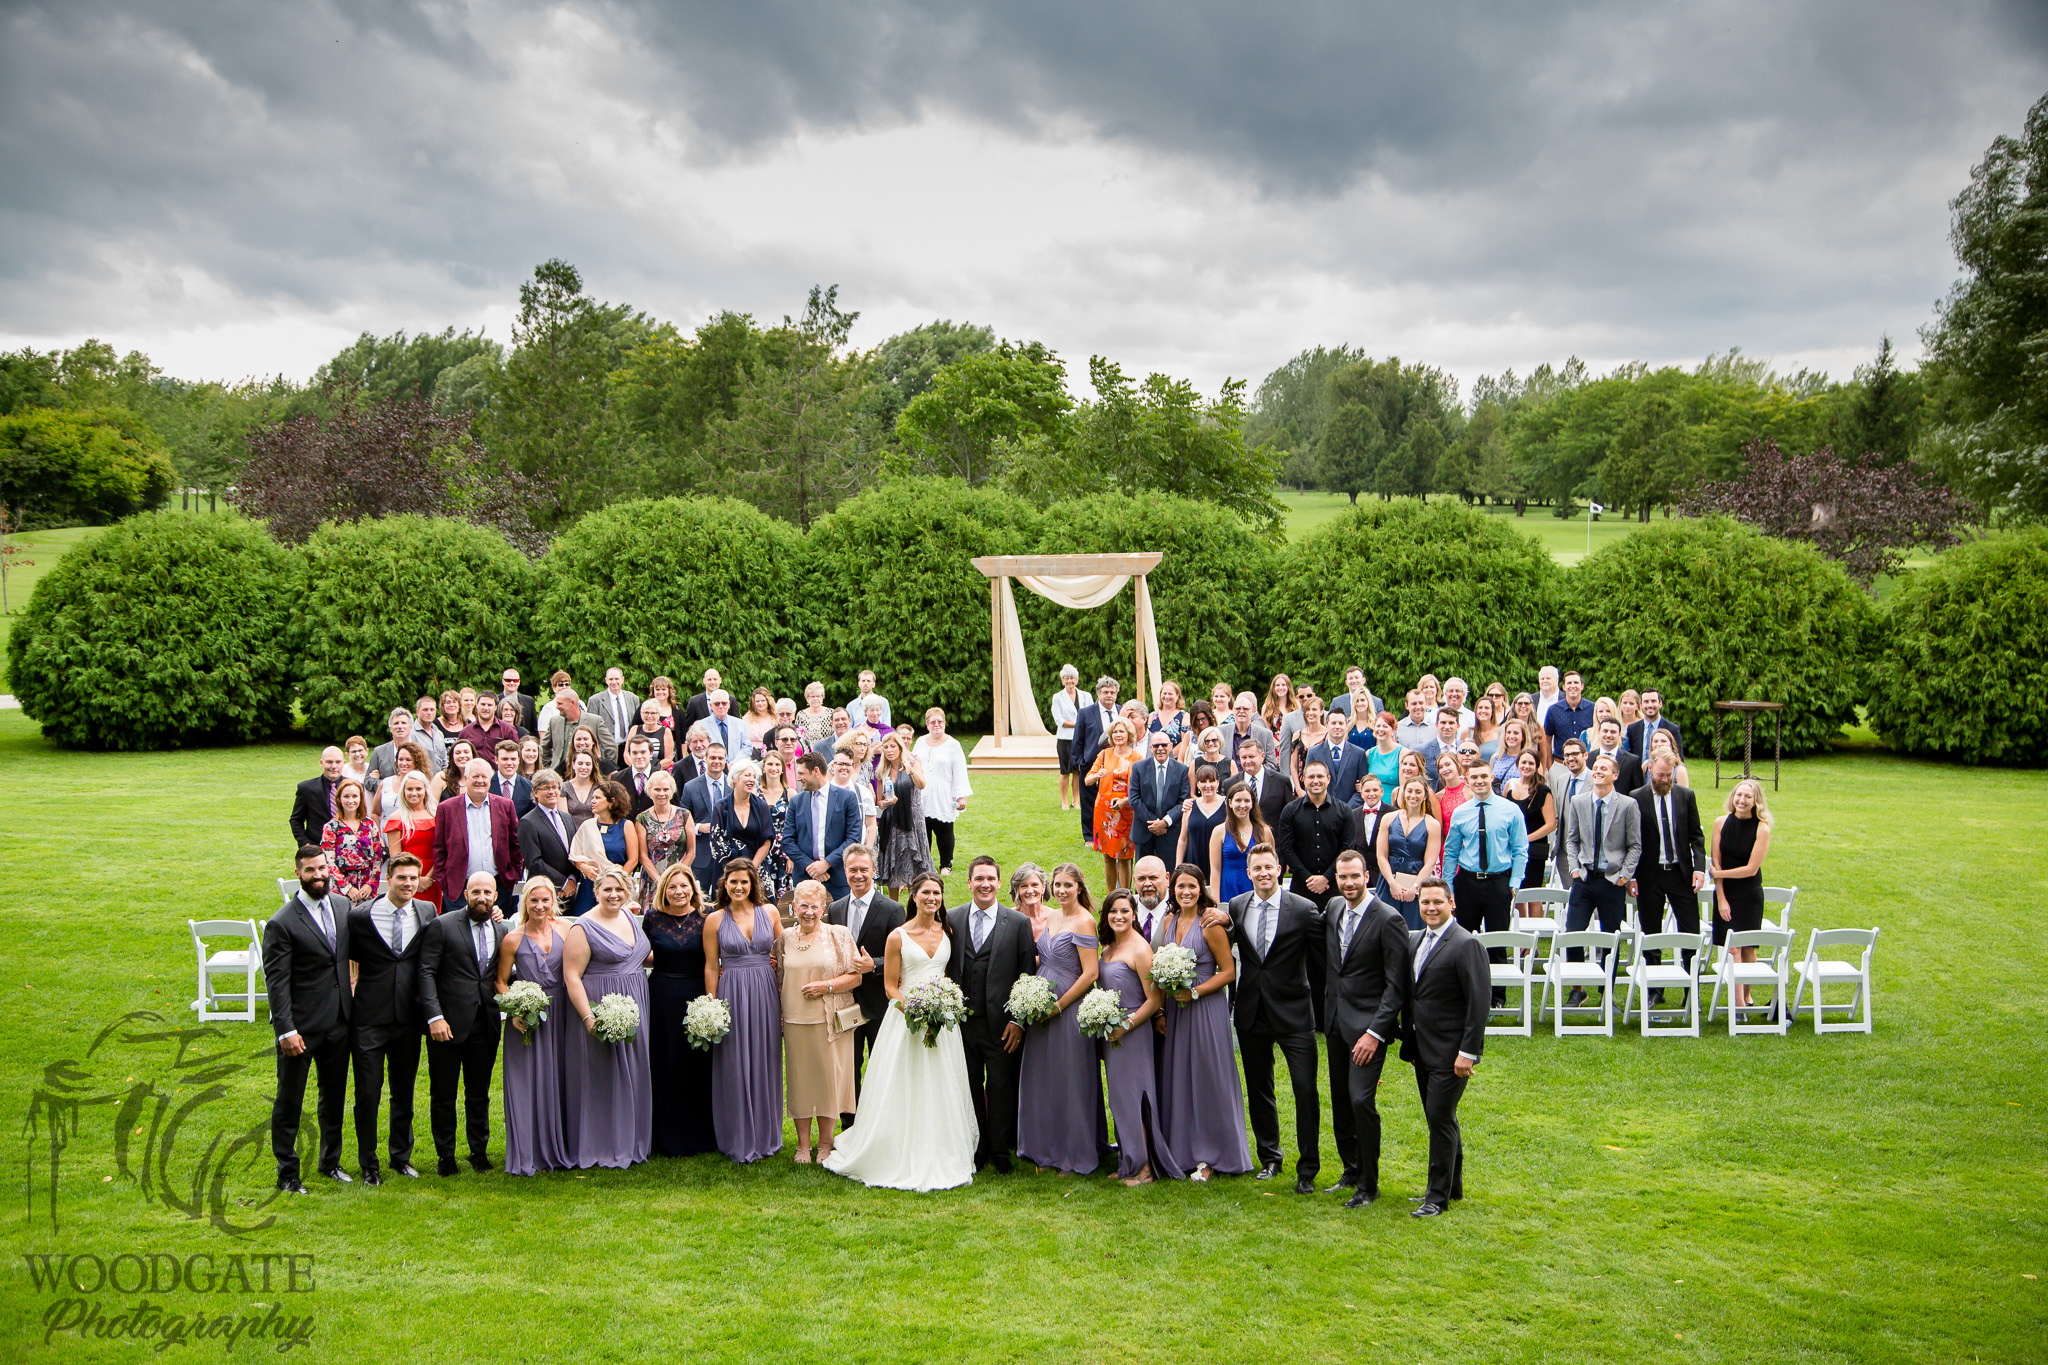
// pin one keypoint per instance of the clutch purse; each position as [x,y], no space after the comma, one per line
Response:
[849,1018]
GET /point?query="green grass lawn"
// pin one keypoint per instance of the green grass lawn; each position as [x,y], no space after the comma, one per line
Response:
[1838,1199]
[1565,540]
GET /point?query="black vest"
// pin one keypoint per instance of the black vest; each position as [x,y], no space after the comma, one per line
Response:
[974,979]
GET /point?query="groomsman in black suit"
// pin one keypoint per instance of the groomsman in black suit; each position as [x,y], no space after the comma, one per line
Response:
[699,706]
[870,916]
[1159,783]
[1673,868]
[1369,955]
[458,985]
[1279,938]
[1271,791]
[1444,1032]
[305,971]
[384,943]
[313,802]
[992,947]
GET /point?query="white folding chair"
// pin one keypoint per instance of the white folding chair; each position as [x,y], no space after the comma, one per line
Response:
[1518,973]
[1782,897]
[239,963]
[1772,968]
[287,887]
[1596,972]
[1645,976]
[1547,919]
[1818,972]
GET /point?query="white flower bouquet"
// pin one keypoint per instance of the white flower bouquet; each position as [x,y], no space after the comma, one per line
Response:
[932,1007]
[1173,969]
[528,1003]
[1101,1014]
[1032,1001]
[616,1018]
[706,1022]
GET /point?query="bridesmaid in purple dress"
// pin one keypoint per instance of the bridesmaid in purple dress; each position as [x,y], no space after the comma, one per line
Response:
[533,1062]
[1142,1153]
[746,1069]
[607,1091]
[1201,1103]
[1059,1085]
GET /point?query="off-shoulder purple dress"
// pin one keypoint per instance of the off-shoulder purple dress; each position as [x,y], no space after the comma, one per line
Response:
[1133,1086]
[1201,1103]
[746,1069]
[607,1091]
[1059,1085]
[533,1070]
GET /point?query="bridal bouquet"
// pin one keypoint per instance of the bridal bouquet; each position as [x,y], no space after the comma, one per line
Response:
[1173,969]
[527,1003]
[1102,1013]
[932,1007]
[706,1022]
[1032,1001]
[617,1018]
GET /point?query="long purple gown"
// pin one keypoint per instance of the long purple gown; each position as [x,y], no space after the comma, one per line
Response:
[1201,1103]
[533,1071]
[1133,1088]
[1059,1088]
[607,1091]
[746,1069]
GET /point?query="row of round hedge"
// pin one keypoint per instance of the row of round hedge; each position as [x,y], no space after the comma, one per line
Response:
[173,629]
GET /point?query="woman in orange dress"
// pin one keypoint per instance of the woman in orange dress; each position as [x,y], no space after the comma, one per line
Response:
[1111,776]
[410,829]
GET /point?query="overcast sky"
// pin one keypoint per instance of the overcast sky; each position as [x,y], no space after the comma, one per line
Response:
[1197,187]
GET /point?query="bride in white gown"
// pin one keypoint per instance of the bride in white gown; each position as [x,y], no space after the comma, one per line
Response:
[914,1128]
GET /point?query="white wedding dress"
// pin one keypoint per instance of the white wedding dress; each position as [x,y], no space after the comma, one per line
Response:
[914,1128]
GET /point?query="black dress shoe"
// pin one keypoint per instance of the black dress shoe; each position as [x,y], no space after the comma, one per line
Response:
[1361,1199]
[338,1175]
[1268,1171]
[1344,1182]
[1426,1211]
[1576,998]
[449,1166]
[370,1176]
[405,1169]
[1305,1185]
[1001,1162]
[291,1186]
[479,1163]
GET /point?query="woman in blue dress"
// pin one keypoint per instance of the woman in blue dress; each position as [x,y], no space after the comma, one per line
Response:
[1232,842]
[610,841]
[1410,842]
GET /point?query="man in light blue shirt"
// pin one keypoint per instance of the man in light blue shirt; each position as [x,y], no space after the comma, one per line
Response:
[1486,849]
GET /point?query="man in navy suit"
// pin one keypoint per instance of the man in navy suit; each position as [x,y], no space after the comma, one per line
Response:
[507,781]
[1091,732]
[704,796]
[1638,736]
[824,821]
[1158,785]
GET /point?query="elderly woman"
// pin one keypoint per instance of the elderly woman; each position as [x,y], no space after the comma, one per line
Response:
[814,962]
[815,720]
[356,755]
[650,727]
[1066,709]
[668,834]
[609,842]
[1209,748]
[1111,778]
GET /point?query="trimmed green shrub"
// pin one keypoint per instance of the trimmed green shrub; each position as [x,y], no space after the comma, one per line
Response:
[1208,594]
[1710,610]
[397,606]
[66,467]
[1401,589]
[167,629]
[674,586]
[890,588]
[1963,669]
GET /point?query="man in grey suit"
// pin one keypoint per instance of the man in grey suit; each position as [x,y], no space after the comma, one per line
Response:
[620,708]
[1601,853]
[992,947]
[384,758]
[561,728]
[1567,778]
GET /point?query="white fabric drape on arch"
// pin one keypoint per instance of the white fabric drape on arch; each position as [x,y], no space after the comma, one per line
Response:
[1080,591]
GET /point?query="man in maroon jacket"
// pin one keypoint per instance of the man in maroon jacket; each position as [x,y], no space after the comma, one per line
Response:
[475,831]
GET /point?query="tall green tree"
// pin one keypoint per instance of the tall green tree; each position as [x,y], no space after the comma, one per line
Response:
[1161,436]
[905,365]
[1291,405]
[1350,451]
[1883,413]
[402,366]
[1989,341]
[976,409]
[794,445]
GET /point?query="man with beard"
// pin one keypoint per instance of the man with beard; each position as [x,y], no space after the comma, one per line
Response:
[305,971]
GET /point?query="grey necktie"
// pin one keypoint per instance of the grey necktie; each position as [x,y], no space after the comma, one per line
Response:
[397,929]
[856,915]
[1428,946]
[483,947]
[1267,917]
[1350,928]
[325,921]
[980,929]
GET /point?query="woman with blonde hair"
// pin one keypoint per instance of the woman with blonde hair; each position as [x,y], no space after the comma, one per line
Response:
[409,757]
[1411,843]
[1111,777]
[814,966]
[1066,709]
[1741,838]
[410,828]
[533,1065]
[1171,719]
[758,721]
[1280,702]
[899,818]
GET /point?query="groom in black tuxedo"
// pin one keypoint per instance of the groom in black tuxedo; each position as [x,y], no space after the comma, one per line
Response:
[992,947]
[1368,954]
[871,916]
[1443,1012]
[1279,938]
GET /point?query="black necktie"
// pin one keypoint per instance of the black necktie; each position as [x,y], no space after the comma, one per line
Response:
[1483,868]
[1599,854]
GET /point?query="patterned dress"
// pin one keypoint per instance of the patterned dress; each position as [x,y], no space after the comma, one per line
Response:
[355,852]
[664,842]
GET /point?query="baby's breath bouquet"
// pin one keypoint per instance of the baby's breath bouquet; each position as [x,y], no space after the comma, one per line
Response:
[1102,1013]
[617,1018]
[932,1007]
[528,1003]
[1173,969]
[1032,1001]
[706,1022]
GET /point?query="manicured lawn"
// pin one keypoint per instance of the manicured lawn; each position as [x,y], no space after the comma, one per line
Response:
[1565,540]
[1841,1199]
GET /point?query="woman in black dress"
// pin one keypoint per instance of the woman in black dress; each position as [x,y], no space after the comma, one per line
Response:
[682,1075]
[1742,837]
[1528,790]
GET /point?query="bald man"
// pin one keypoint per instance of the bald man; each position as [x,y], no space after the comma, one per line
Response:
[313,807]
[458,985]
[476,832]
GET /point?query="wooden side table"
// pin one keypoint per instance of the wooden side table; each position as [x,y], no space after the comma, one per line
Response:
[1748,710]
